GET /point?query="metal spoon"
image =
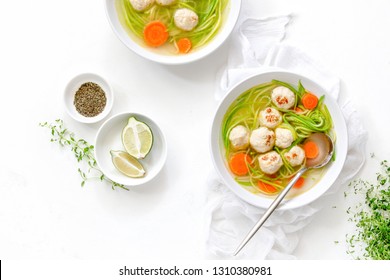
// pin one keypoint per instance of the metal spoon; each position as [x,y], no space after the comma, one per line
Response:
[326,149]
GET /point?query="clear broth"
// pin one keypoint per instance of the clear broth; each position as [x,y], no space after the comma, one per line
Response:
[168,49]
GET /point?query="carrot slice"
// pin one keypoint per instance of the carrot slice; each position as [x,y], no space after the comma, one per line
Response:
[266,187]
[311,149]
[155,33]
[309,101]
[184,45]
[239,164]
[298,110]
[298,184]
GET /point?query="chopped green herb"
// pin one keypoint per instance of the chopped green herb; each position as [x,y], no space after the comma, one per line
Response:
[83,151]
[371,239]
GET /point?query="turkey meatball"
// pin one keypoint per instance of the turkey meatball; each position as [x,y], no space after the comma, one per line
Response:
[283,97]
[239,137]
[141,5]
[262,139]
[270,162]
[270,117]
[185,19]
[295,156]
[284,137]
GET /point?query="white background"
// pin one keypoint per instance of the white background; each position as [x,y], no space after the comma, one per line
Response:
[44,213]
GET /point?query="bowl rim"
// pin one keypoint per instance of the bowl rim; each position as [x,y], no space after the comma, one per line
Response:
[68,94]
[164,152]
[263,202]
[220,39]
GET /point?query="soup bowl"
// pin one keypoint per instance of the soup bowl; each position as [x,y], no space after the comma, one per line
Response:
[149,53]
[303,196]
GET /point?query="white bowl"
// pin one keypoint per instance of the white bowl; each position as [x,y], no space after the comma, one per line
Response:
[148,53]
[71,89]
[109,138]
[332,170]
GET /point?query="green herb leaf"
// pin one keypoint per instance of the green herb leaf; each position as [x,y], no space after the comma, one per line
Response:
[82,150]
[371,239]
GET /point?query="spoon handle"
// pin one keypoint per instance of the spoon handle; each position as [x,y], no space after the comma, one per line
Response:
[270,210]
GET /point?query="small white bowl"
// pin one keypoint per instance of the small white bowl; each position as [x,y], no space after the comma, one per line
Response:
[109,138]
[150,54]
[332,170]
[71,89]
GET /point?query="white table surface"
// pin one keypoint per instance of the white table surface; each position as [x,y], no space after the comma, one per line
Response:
[44,213]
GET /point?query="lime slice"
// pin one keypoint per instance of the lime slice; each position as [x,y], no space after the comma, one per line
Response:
[127,164]
[137,138]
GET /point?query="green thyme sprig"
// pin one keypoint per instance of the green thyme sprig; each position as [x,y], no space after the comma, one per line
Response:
[83,151]
[371,239]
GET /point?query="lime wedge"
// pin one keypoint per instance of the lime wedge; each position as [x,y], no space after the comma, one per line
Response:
[137,138]
[127,164]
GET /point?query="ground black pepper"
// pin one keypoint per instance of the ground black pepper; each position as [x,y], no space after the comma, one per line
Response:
[90,99]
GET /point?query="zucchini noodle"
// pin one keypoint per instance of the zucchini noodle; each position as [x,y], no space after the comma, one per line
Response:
[210,14]
[245,111]
[317,120]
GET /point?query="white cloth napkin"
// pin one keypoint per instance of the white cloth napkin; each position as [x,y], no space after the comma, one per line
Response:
[259,47]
